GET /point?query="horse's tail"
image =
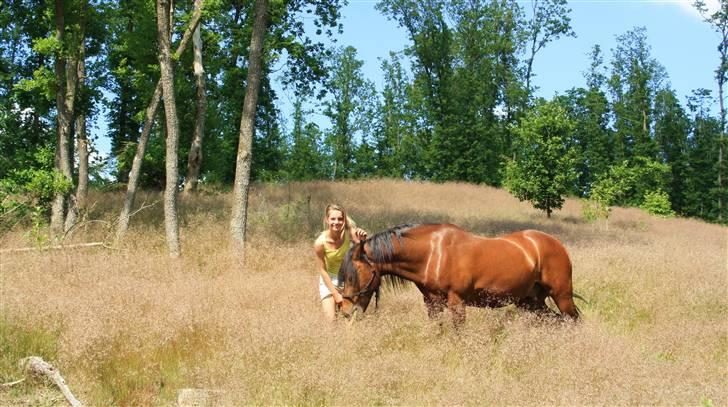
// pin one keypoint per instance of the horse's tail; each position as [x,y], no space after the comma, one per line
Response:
[575,295]
[578,311]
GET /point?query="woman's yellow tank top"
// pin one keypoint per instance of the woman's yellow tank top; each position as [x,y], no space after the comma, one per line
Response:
[334,257]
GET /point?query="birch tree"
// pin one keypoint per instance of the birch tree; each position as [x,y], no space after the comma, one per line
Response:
[194,159]
[241,185]
[65,73]
[171,224]
[149,115]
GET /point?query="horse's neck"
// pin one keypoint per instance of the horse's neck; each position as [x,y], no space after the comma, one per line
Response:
[406,262]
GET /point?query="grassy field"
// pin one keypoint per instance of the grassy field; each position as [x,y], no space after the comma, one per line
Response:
[130,326]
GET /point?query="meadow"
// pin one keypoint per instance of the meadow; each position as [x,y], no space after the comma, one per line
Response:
[128,325]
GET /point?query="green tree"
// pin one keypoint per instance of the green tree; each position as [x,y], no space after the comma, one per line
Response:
[549,20]
[395,120]
[635,78]
[465,71]
[671,134]
[432,70]
[306,160]
[592,137]
[705,131]
[349,109]
[543,170]
[25,109]
[719,21]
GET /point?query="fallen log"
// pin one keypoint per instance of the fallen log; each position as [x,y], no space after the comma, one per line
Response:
[57,247]
[36,366]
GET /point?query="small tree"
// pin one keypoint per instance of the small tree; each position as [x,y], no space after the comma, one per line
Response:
[603,194]
[543,170]
[658,203]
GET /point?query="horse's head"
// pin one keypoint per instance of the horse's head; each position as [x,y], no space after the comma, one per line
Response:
[360,280]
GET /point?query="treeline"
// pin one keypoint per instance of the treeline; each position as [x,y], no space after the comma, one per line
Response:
[457,104]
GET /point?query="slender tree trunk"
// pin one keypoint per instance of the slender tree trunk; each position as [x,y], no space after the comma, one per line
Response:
[133,183]
[171,223]
[239,217]
[721,145]
[65,67]
[722,75]
[78,201]
[59,200]
[194,160]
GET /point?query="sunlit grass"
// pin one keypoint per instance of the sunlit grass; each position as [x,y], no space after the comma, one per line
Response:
[130,326]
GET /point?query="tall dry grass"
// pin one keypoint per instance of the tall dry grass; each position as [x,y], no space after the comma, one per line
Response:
[130,326]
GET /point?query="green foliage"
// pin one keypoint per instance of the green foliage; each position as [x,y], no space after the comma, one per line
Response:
[627,183]
[47,46]
[658,203]
[635,79]
[42,83]
[350,110]
[28,193]
[543,170]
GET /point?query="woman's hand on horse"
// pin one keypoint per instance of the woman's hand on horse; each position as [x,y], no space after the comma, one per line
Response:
[360,233]
[337,297]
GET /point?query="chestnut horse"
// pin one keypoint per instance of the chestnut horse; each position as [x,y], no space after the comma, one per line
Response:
[454,268]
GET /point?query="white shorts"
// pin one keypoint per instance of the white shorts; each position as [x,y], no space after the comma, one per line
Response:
[323,289]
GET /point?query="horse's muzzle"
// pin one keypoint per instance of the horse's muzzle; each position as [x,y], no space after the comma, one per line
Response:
[351,315]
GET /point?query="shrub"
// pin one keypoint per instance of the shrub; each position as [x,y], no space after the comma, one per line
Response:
[657,203]
[28,193]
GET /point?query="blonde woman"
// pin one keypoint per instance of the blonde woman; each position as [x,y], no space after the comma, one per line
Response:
[330,247]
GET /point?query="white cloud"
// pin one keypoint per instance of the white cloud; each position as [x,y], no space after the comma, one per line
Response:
[687,6]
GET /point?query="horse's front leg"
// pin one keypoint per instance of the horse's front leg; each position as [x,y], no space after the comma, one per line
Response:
[434,302]
[456,305]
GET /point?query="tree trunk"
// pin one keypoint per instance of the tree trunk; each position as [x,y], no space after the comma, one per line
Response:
[78,201]
[194,160]
[131,186]
[171,223]
[239,218]
[65,71]
[721,74]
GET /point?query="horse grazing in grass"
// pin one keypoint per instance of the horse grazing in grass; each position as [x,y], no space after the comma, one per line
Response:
[454,268]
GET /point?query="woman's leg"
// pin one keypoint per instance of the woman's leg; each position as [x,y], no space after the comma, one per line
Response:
[329,307]
[327,300]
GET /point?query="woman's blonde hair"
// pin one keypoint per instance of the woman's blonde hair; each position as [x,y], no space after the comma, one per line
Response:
[348,222]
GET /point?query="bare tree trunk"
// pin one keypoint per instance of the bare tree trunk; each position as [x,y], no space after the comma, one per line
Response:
[194,160]
[239,217]
[721,74]
[133,183]
[171,223]
[78,201]
[65,67]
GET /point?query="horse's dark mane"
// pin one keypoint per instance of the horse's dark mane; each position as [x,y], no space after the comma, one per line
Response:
[381,248]
[381,245]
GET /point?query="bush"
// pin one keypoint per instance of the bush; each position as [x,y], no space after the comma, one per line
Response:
[658,203]
[28,193]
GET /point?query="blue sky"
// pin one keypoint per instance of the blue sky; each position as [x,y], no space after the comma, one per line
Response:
[683,43]
[680,40]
